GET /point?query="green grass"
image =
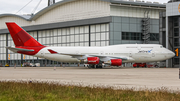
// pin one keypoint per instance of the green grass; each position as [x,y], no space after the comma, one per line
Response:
[37,91]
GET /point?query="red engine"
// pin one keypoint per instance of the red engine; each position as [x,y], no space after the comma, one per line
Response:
[92,60]
[114,62]
[139,65]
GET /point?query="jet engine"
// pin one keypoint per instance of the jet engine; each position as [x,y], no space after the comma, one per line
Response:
[114,62]
[91,60]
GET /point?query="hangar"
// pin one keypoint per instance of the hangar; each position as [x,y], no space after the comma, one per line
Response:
[169,29]
[84,23]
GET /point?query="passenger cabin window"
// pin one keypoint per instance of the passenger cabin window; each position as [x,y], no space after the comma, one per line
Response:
[146,47]
[131,47]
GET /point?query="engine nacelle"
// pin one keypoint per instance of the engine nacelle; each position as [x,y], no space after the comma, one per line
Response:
[114,62]
[91,60]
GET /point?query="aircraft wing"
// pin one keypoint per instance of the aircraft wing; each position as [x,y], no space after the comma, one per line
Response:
[84,56]
[13,49]
[102,57]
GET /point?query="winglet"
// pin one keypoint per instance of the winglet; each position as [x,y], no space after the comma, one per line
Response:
[52,52]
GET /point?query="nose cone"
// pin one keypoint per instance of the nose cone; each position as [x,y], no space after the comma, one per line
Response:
[171,54]
[168,54]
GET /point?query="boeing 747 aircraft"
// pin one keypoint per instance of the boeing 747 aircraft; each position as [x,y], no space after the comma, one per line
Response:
[94,56]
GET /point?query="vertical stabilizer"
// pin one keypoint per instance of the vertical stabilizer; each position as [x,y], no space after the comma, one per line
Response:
[20,36]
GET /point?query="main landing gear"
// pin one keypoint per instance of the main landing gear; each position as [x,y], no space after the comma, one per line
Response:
[95,66]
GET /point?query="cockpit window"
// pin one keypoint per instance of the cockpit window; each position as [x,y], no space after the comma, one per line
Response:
[161,46]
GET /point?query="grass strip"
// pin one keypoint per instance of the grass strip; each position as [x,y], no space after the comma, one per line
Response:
[39,91]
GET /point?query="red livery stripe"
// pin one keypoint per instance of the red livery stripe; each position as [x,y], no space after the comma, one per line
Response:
[20,36]
[52,52]
[23,40]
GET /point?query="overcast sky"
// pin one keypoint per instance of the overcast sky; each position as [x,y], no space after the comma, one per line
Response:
[13,6]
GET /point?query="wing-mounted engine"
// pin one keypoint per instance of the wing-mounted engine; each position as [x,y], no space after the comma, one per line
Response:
[114,62]
[91,60]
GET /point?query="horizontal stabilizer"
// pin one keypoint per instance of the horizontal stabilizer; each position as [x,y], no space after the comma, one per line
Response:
[13,49]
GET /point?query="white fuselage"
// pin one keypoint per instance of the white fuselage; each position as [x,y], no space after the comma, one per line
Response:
[137,53]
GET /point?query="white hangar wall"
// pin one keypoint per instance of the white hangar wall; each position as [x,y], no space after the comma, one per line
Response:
[78,10]
[75,10]
[16,19]
[70,11]
[133,12]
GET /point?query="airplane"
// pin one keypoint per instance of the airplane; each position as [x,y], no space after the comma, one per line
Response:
[113,55]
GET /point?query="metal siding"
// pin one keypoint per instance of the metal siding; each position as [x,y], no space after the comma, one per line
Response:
[133,28]
[154,29]
[64,24]
[75,10]
[172,9]
[132,12]
[117,42]
[111,26]
[139,27]
[111,36]
[129,24]
[70,10]
[18,20]
[125,42]
[111,42]
[117,27]
[117,35]
[138,3]
[125,20]
[116,19]
[154,21]
[133,20]
[125,27]
[132,42]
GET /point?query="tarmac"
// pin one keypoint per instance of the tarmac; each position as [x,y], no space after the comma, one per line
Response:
[117,78]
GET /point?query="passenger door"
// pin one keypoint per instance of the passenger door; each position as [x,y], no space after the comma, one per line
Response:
[153,54]
[130,54]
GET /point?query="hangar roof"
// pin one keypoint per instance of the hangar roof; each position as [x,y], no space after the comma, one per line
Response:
[25,17]
[37,15]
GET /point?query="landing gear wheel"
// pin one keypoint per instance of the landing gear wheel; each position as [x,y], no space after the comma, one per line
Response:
[89,67]
[156,66]
[98,66]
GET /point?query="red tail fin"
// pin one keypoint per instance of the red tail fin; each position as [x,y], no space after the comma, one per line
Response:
[20,36]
